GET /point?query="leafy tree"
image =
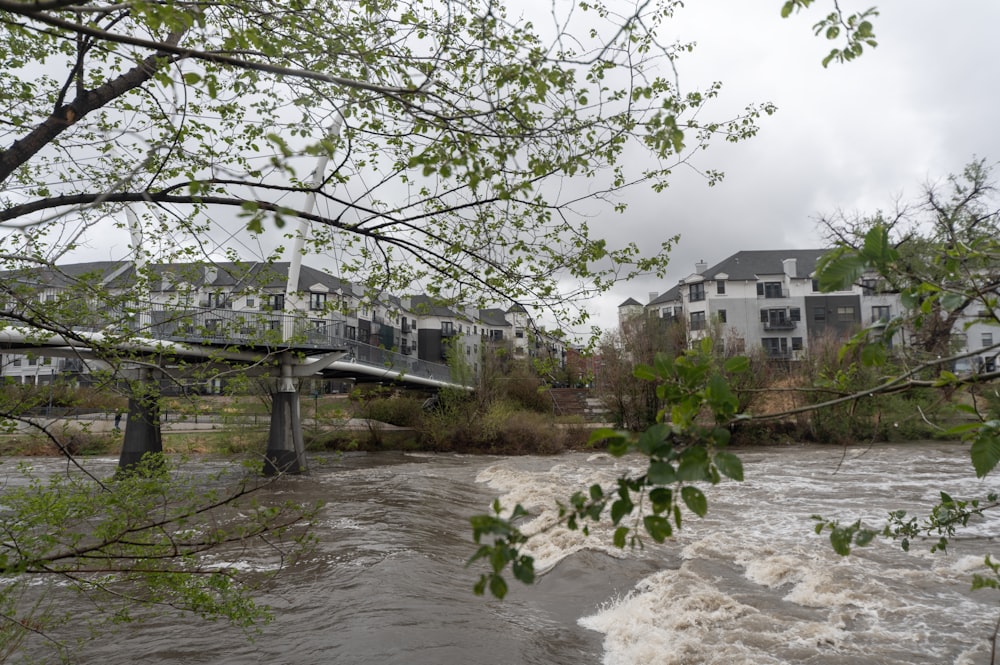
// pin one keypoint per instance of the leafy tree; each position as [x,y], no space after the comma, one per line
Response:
[444,122]
[133,546]
[631,401]
[938,253]
[855,30]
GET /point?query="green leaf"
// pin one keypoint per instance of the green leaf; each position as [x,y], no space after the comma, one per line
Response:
[737,365]
[653,437]
[498,587]
[873,355]
[985,452]
[658,527]
[619,537]
[599,435]
[729,465]
[695,500]
[620,509]
[524,569]
[839,270]
[840,539]
[661,498]
[661,473]
[693,465]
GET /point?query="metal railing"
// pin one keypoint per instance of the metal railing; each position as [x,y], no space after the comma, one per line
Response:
[254,329]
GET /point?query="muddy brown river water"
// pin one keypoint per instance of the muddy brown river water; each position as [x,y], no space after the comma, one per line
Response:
[750,583]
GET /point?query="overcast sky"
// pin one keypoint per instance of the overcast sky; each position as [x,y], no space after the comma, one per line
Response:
[851,137]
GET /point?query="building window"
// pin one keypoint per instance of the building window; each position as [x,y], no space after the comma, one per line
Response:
[880,313]
[275,302]
[819,313]
[697,320]
[846,313]
[519,333]
[447,328]
[796,344]
[722,316]
[769,290]
[815,286]
[987,340]
[794,314]
[775,347]
[696,292]
[317,301]
[776,319]
[868,287]
[350,332]
[720,287]
[251,302]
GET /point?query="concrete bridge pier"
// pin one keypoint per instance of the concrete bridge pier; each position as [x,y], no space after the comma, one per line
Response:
[286,452]
[142,430]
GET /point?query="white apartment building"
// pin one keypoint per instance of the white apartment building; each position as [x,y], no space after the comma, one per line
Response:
[226,299]
[770,299]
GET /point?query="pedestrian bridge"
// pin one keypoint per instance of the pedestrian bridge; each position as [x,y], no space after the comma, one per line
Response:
[284,346]
[254,339]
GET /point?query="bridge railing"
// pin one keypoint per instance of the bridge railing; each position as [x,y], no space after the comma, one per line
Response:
[255,329]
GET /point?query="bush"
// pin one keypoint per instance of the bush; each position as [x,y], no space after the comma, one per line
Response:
[396,410]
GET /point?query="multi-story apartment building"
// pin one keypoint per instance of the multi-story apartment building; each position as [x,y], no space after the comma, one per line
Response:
[770,299]
[253,298]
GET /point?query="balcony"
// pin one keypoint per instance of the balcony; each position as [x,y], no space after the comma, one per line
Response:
[784,324]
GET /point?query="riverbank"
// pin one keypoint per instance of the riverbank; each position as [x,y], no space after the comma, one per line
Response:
[207,434]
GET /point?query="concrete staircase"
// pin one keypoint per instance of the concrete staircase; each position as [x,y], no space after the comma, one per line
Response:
[577,402]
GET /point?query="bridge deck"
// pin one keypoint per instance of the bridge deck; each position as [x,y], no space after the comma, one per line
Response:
[247,333]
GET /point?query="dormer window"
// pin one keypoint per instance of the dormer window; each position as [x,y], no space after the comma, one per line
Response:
[317,301]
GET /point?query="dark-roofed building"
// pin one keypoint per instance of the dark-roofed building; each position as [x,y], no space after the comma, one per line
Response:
[767,299]
[213,299]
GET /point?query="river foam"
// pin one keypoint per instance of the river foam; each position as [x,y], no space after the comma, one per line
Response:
[756,585]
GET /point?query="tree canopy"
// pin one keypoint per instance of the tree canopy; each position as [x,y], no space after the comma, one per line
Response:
[464,137]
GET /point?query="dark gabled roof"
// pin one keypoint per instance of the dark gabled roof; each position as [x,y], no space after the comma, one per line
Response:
[748,264]
[631,302]
[62,275]
[309,276]
[673,294]
[427,306]
[493,317]
[121,274]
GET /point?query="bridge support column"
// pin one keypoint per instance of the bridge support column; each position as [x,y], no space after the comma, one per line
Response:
[286,451]
[142,430]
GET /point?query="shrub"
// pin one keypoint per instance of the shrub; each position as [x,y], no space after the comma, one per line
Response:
[396,410]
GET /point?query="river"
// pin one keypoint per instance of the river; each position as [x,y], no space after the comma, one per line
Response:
[750,583]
